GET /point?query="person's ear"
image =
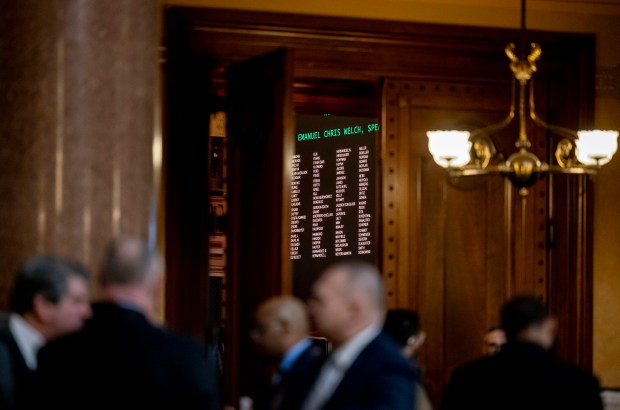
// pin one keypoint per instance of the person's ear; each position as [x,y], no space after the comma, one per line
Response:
[553,324]
[355,306]
[42,308]
[420,339]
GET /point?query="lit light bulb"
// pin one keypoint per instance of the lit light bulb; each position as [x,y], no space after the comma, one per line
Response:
[449,148]
[596,147]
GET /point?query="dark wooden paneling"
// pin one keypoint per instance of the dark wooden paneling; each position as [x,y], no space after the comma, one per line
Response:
[570,252]
[447,242]
[453,250]
[261,144]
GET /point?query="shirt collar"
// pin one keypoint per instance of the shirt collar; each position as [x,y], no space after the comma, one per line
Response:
[28,339]
[293,353]
[344,356]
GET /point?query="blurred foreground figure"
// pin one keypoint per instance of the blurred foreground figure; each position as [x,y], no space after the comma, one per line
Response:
[365,369]
[281,332]
[494,340]
[524,374]
[50,298]
[120,359]
[403,326]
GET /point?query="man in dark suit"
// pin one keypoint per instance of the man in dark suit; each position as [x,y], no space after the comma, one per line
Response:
[50,298]
[524,374]
[120,359]
[365,369]
[281,332]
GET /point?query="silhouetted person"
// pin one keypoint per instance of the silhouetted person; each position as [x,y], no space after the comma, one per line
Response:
[50,298]
[403,326]
[120,359]
[524,374]
[493,341]
[281,332]
[365,369]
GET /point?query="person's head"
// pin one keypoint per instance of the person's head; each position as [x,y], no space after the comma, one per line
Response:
[52,294]
[347,297]
[525,318]
[493,341]
[403,326]
[280,322]
[133,273]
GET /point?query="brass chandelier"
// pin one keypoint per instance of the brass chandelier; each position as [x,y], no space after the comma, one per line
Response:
[465,153]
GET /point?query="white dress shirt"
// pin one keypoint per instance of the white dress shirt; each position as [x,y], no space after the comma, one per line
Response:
[336,366]
[27,338]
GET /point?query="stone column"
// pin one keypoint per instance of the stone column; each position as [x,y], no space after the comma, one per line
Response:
[77,100]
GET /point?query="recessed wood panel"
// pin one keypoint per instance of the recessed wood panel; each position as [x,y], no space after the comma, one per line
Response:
[455,251]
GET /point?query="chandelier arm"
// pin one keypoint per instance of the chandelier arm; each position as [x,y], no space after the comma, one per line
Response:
[523,168]
[560,131]
[494,128]
[467,171]
[573,170]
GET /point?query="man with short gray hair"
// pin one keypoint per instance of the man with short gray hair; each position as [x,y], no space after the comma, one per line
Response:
[121,359]
[50,298]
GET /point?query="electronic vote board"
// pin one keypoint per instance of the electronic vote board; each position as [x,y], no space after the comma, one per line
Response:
[333,194]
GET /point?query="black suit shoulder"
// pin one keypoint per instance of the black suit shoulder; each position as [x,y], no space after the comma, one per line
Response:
[127,357]
[521,376]
[307,360]
[289,392]
[14,372]
[379,378]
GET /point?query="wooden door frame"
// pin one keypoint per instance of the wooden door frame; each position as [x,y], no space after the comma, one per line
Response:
[366,49]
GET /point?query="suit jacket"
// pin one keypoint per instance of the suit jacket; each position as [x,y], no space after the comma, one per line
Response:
[289,387]
[380,378]
[14,373]
[120,360]
[522,376]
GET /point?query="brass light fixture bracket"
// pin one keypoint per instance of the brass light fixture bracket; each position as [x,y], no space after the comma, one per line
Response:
[580,153]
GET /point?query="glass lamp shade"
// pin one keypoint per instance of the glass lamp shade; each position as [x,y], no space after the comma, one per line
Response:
[449,148]
[596,147]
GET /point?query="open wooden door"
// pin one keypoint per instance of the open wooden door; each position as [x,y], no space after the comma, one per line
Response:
[261,131]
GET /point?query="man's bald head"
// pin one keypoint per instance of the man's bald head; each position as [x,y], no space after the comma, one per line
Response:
[280,322]
[288,310]
[129,261]
[347,297]
[362,279]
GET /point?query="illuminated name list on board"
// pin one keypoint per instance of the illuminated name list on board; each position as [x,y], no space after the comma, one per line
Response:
[332,194]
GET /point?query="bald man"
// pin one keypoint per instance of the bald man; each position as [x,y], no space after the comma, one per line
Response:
[281,333]
[365,369]
[121,359]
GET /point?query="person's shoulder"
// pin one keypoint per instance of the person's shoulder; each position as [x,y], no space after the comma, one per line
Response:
[385,342]
[386,345]
[4,318]
[575,373]
[4,325]
[180,343]
[384,351]
[312,353]
[475,367]
[69,343]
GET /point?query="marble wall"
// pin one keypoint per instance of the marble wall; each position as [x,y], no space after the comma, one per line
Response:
[77,99]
